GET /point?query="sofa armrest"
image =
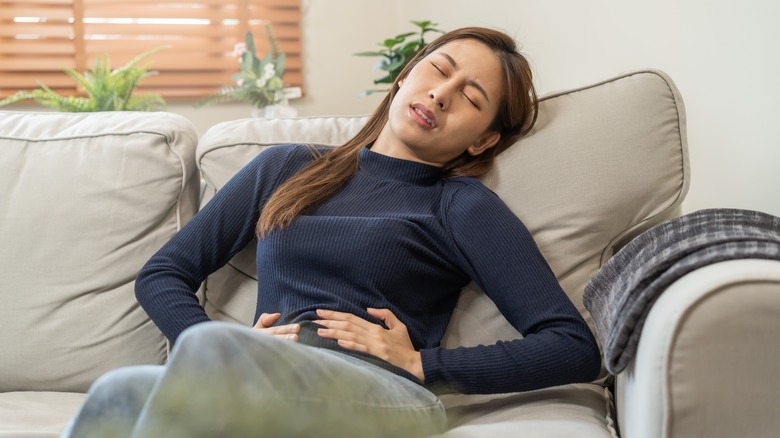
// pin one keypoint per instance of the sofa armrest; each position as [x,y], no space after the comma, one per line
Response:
[706,363]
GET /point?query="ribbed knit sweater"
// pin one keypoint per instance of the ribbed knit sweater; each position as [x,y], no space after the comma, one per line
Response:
[396,236]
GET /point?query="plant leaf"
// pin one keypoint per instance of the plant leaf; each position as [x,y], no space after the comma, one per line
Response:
[248,62]
[396,65]
[394,58]
[280,62]
[250,43]
[385,80]
[369,54]
[412,47]
[146,102]
[108,90]
[225,94]
[370,92]
[422,24]
[401,37]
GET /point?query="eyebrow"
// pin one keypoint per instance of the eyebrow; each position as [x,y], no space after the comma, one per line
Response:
[471,82]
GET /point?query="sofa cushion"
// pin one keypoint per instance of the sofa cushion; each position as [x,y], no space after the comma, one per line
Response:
[31,414]
[581,410]
[87,199]
[603,163]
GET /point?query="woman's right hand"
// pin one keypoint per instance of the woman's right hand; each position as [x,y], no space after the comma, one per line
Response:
[287,332]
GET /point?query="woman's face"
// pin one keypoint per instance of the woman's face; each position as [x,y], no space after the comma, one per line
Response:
[445,105]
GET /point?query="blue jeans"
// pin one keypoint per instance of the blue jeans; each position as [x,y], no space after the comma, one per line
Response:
[225,380]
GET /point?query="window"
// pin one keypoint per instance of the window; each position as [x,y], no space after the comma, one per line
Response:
[38,38]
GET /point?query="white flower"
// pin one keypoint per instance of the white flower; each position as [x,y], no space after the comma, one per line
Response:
[239,49]
[261,82]
[240,82]
[268,71]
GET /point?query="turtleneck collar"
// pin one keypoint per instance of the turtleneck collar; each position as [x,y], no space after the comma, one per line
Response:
[388,167]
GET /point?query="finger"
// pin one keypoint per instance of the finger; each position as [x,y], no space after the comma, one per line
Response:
[343,326]
[350,345]
[333,315]
[291,338]
[386,316]
[339,335]
[267,320]
[347,340]
[283,329]
[353,341]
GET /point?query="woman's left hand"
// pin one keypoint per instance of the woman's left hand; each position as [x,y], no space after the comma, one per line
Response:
[354,333]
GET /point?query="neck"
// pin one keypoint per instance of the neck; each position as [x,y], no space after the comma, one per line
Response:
[386,145]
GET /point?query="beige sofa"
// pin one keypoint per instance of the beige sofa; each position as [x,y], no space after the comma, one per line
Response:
[87,198]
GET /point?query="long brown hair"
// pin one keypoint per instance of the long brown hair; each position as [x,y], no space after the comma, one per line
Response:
[321,178]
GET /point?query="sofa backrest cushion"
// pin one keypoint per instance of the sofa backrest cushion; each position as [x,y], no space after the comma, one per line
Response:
[603,163]
[86,200]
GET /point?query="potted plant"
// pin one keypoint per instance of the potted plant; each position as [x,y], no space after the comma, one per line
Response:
[396,52]
[259,83]
[107,90]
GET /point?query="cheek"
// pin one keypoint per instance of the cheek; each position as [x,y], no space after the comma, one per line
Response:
[395,107]
[470,119]
[396,115]
[401,102]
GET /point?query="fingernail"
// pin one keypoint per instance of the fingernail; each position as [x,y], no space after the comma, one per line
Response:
[292,337]
[320,312]
[295,327]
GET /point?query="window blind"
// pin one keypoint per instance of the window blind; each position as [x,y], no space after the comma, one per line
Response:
[38,38]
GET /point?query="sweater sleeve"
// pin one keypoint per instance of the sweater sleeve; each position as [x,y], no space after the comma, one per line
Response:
[166,285]
[500,255]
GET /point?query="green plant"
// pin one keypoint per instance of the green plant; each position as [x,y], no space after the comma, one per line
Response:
[396,52]
[107,90]
[259,83]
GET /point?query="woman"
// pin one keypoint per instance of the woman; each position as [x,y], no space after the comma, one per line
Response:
[361,254]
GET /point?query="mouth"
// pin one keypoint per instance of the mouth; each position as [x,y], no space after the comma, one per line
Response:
[424,117]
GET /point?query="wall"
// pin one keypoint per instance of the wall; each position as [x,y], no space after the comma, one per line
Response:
[723,55]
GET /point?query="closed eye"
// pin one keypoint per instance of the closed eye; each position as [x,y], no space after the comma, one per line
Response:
[474,104]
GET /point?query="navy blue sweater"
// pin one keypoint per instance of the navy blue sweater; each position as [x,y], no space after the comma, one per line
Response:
[396,236]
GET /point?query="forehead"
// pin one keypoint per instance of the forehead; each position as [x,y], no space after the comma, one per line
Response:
[475,59]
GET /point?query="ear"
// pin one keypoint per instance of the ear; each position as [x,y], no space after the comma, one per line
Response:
[484,142]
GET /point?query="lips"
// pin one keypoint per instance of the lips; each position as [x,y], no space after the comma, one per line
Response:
[423,116]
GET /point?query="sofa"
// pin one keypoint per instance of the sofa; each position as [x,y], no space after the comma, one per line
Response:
[86,199]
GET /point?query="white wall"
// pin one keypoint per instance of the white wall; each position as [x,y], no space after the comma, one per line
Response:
[724,56]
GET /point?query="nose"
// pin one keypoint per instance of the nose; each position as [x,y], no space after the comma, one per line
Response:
[440,96]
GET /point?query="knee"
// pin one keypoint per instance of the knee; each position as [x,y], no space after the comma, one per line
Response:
[214,337]
[215,345]
[126,380]
[212,332]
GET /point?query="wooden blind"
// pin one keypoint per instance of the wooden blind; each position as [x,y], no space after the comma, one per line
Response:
[40,37]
